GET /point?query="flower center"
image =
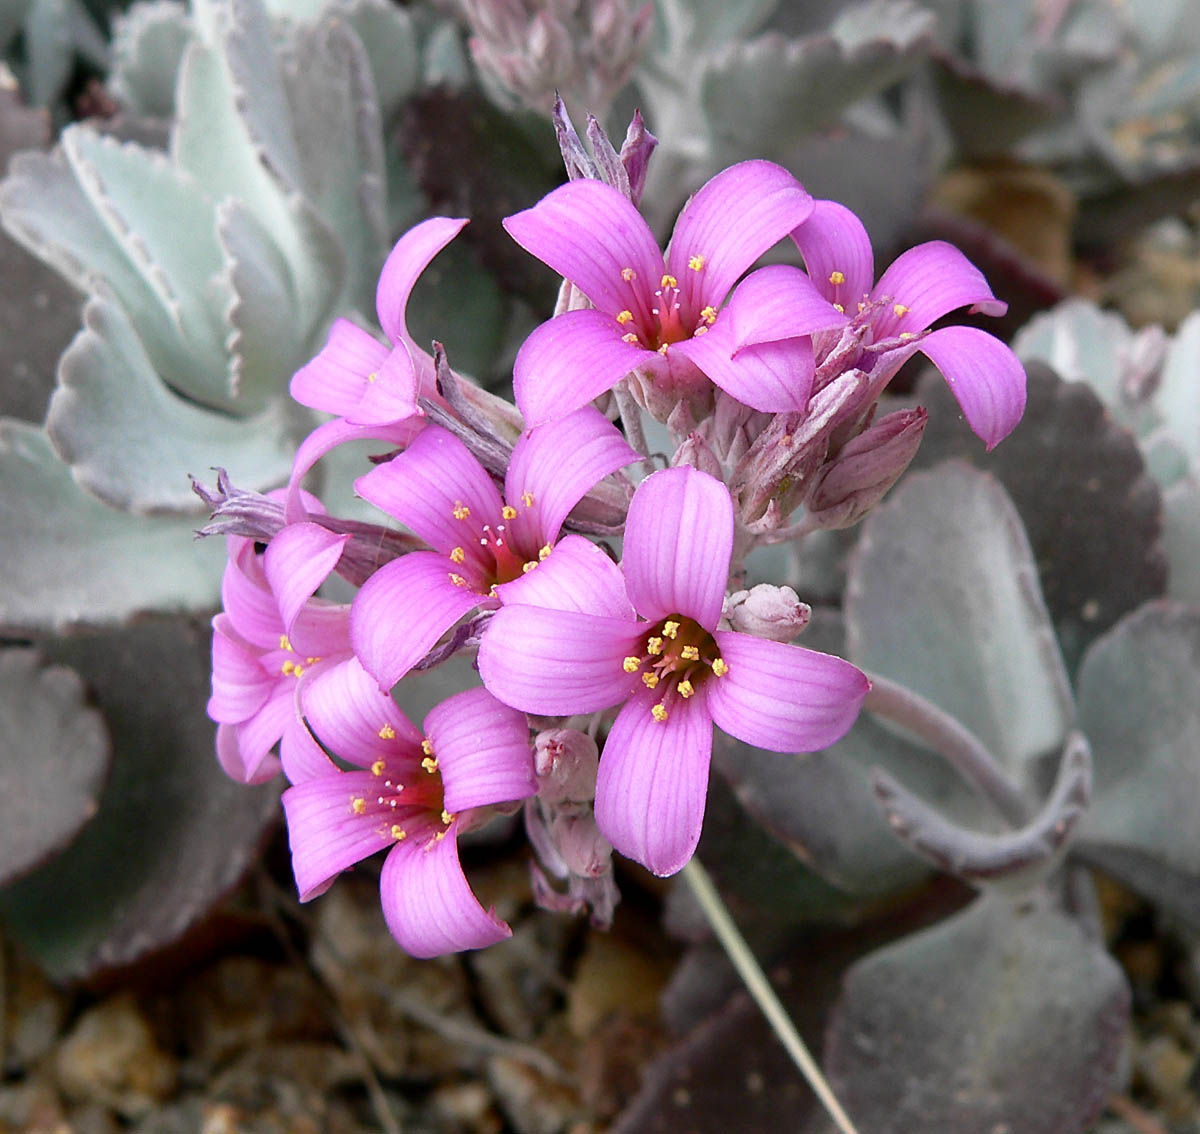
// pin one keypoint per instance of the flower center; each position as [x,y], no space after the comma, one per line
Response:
[668,321]
[507,549]
[677,656]
[407,796]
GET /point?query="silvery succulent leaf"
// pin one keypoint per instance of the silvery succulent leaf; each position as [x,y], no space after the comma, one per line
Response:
[148,43]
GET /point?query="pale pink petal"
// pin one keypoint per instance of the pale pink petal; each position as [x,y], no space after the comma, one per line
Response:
[555,465]
[590,234]
[301,757]
[777,302]
[782,697]
[438,490]
[653,781]
[577,575]
[984,375]
[326,834]
[355,719]
[257,735]
[773,377]
[557,662]
[678,542]
[413,253]
[925,283]
[402,610]
[482,749]
[390,394]
[837,253]
[334,381]
[321,630]
[247,600]
[240,684]
[729,223]
[568,361]
[428,904]
[297,561]
[229,755]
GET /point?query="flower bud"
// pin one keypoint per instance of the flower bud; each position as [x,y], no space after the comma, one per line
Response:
[587,853]
[695,451]
[565,761]
[767,611]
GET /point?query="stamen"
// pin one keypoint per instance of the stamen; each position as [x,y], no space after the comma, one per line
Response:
[654,645]
[544,551]
[284,644]
[527,499]
[630,337]
[298,671]
[836,277]
[387,733]
[457,555]
[311,661]
[447,817]
[379,767]
[628,275]
[668,281]
[719,667]
[287,668]
[624,317]
[906,335]
[460,510]
[398,832]
[649,680]
[901,310]
[358,805]
[430,764]
[690,653]
[709,314]
[528,566]
[659,712]
[457,580]
[839,307]
[700,330]
[372,376]
[663,349]
[508,512]
[686,689]
[426,747]
[631,664]
[696,263]
[670,629]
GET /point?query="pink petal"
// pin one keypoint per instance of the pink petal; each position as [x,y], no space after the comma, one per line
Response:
[781,697]
[428,904]
[678,543]
[653,782]
[257,735]
[348,711]
[229,755]
[248,601]
[402,610]
[568,361]
[325,833]
[930,280]
[301,757]
[984,375]
[413,253]
[834,243]
[589,234]
[297,561]
[577,576]
[240,684]
[482,749]
[729,223]
[334,381]
[429,482]
[556,662]
[773,377]
[557,464]
[390,393]
[321,631]
[778,302]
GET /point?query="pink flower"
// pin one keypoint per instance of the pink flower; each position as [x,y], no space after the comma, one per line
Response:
[271,635]
[920,286]
[664,316]
[480,542]
[648,641]
[411,795]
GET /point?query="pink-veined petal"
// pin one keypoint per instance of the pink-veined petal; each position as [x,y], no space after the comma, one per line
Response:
[984,375]
[778,302]
[300,756]
[782,697]
[391,394]
[729,223]
[412,254]
[555,465]
[240,684]
[653,781]
[437,489]
[773,377]
[557,662]
[297,561]
[925,283]
[482,749]
[257,735]
[326,834]
[577,575]
[590,234]
[247,599]
[320,631]
[402,610]
[428,904]
[355,719]
[568,361]
[678,542]
[837,252]
[335,380]
[229,755]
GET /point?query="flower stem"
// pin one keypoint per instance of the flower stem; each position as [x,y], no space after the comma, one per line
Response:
[760,988]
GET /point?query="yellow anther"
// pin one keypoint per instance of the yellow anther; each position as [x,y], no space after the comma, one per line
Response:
[398,832]
[670,629]
[630,337]
[861,306]
[659,712]
[527,499]
[631,664]
[654,645]
[663,350]
[719,667]
[544,551]
[700,330]
[284,644]
[287,668]
[696,263]
[508,512]
[430,764]
[447,817]
[839,307]
[457,580]
[901,310]
[624,317]
[649,680]
[438,838]
[311,661]
[372,376]
[686,689]
[387,732]
[690,653]
[457,555]
[836,277]
[426,747]
[628,274]
[668,281]
[358,805]
[528,566]
[298,671]
[906,335]
[379,767]
[709,314]
[460,511]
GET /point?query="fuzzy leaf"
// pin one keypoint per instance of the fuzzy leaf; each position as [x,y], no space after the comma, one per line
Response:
[148,43]
[943,597]
[132,442]
[54,756]
[66,559]
[172,836]
[1005,1017]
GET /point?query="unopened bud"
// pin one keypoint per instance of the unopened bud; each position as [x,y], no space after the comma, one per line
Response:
[767,611]
[639,144]
[565,761]
[856,479]
[577,839]
[697,452]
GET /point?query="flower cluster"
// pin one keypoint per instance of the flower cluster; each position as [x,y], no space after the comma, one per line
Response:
[601,674]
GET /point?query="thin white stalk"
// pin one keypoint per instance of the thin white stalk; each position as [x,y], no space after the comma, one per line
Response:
[760,988]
